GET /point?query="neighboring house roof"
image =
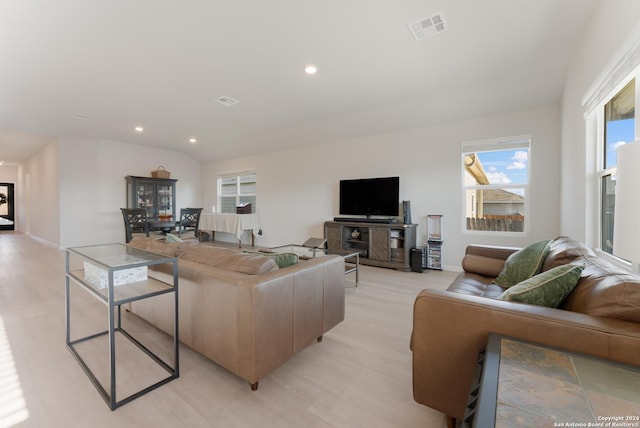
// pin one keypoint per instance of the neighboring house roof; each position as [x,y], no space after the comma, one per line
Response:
[500,196]
[474,167]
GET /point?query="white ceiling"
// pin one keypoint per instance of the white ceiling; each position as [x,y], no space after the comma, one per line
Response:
[96,69]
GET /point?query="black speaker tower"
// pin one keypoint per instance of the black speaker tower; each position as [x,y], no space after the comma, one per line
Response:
[406,211]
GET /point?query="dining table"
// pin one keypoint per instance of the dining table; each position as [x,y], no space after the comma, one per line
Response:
[162,225]
[230,223]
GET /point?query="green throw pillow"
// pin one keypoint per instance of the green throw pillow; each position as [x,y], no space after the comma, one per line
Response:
[172,238]
[549,288]
[523,264]
[286,259]
[282,259]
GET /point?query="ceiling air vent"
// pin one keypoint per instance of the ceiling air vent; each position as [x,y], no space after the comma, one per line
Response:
[227,101]
[428,27]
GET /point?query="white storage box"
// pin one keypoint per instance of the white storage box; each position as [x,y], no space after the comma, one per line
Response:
[99,277]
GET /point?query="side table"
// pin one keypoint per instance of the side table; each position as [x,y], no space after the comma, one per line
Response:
[528,385]
[352,262]
[117,274]
[351,258]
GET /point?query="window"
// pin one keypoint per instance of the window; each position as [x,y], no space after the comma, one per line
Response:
[609,111]
[496,182]
[618,128]
[236,189]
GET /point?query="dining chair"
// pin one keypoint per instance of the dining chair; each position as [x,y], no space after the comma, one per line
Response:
[189,221]
[135,221]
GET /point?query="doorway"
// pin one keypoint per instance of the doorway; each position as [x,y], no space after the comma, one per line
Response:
[7,210]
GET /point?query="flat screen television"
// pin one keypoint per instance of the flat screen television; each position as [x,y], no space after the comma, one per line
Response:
[370,196]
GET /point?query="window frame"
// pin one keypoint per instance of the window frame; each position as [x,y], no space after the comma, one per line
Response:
[497,144]
[238,195]
[597,116]
[622,66]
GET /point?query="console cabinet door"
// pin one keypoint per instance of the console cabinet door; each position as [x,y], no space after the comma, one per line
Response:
[379,244]
[333,234]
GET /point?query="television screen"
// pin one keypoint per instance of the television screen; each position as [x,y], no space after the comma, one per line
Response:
[370,196]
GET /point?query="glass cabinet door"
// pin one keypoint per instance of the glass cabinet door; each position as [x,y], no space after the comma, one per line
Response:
[145,193]
[165,199]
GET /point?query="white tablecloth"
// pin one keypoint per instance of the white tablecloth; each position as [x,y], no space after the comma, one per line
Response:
[229,223]
[5,222]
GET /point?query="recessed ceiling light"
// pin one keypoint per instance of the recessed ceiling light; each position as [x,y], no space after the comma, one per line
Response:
[139,129]
[1,162]
[310,69]
[193,140]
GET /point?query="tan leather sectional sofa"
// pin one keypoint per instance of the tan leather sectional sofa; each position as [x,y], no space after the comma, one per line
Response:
[601,317]
[241,310]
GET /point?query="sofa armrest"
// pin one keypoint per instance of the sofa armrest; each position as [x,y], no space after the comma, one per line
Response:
[490,251]
[450,329]
[486,260]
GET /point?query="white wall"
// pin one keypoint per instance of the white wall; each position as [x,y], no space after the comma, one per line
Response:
[8,174]
[42,196]
[298,189]
[611,25]
[75,188]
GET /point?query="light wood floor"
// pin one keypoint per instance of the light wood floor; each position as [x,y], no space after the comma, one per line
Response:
[358,376]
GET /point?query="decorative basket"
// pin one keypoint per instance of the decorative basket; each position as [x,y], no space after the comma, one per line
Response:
[160,172]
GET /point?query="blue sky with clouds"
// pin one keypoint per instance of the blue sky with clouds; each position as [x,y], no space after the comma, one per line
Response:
[619,132]
[512,166]
[506,166]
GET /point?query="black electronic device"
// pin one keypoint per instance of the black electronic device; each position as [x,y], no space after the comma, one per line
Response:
[244,208]
[406,212]
[381,220]
[418,260]
[370,196]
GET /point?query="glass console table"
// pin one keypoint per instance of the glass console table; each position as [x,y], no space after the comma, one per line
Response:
[117,274]
[351,258]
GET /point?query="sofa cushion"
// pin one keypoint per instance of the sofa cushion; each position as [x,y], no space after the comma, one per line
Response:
[282,259]
[251,264]
[607,291]
[206,254]
[523,264]
[473,284]
[158,246]
[548,288]
[231,260]
[563,250]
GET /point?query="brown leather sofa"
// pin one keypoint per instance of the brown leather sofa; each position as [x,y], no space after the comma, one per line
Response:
[601,317]
[241,310]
